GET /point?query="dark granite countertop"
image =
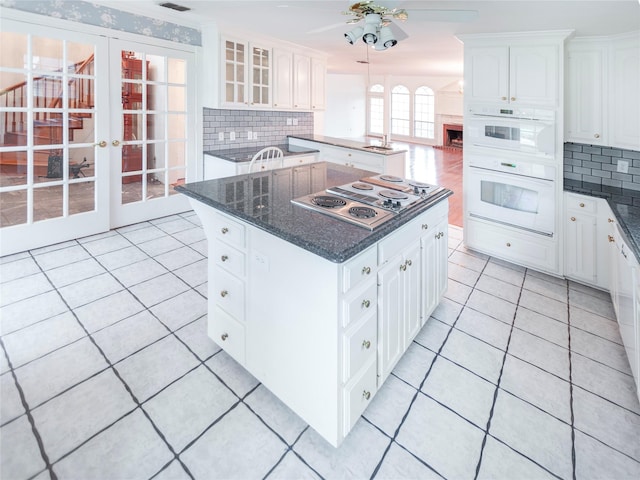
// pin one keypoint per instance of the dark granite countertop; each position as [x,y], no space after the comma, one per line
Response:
[331,238]
[624,203]
[240,155]
[351,143]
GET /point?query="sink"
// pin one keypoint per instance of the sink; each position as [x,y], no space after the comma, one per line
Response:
[378,148]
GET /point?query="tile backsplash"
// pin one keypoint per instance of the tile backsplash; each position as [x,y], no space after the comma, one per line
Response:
[272,127]
[597,164]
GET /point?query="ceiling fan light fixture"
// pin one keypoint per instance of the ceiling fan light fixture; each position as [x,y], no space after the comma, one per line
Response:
[372,23]
[387,38]
[353,36]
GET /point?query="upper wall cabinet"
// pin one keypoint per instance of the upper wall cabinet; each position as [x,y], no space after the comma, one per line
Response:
[268,76]
[522,75]
[246,74]
[603,91]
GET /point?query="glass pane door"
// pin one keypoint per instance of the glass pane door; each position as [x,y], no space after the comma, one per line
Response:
[52,171]
[155,122]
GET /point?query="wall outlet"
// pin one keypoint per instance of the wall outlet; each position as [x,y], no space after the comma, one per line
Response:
[289,121]
[255,135]
[221,136]
[249,135]
[232,136]
[623,166]
[295,121]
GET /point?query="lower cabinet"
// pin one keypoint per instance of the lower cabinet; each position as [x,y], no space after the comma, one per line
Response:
[218,167]
[587,222]
[322,336]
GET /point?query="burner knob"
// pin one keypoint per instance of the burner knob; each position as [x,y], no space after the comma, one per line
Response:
[424,191]
[398,204]
[415,190]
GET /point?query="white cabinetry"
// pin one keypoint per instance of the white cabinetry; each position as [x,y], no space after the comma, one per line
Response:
[282,78]
[587,223]
[514,74]
[301,81]
[434,264]
[309,329]
[217,167]
[246,74]
[603,91]
[318,83]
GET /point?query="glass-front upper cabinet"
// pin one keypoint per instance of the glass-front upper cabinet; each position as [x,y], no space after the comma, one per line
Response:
[246,74]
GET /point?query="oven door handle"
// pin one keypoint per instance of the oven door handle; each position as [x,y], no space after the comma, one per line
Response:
[477,170]
[505,164]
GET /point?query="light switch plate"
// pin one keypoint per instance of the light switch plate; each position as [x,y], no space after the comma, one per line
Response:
[623,166]
[221,136]
[232,136]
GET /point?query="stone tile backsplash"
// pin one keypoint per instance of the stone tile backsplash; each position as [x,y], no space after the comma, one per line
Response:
[272,127]
[597,164]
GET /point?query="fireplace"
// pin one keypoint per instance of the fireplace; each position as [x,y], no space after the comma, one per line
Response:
[452,135]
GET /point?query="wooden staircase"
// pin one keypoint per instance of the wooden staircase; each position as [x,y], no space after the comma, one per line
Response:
[48,128]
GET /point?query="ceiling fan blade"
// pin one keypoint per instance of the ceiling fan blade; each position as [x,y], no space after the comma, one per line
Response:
[452,16]
[398,33]
[327,28]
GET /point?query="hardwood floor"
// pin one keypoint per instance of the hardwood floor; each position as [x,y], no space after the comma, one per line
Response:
[439,167]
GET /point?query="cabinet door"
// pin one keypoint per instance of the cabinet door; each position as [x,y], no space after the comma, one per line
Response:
[412,297]
[234,72]
[434,267]
[282,78]
[318,76]
[318,176]
[580,246]
[585,95]
[489,73]
[301,81]
[390,318]
[301,181]
[625,128]
[533,75]
[260,81]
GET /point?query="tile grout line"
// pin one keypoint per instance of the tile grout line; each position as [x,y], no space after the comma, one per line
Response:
[497,389]
[573,428]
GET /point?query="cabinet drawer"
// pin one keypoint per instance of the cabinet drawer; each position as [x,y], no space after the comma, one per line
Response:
[361,268]
[358,395]
[227,333]
[360,303]
[360,344]
[581,203]
[528,249]
[228,230]
[227,292]
[229,258]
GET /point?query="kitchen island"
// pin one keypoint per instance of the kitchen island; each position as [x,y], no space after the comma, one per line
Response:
[318,309]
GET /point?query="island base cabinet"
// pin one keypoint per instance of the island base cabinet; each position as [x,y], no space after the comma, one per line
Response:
[358,395]
[229,334]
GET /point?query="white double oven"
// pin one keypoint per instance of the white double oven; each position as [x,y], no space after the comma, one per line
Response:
[510,174]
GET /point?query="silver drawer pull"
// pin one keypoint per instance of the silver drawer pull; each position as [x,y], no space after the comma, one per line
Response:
[224,230]
[366,344]
[224,336]
[366,303]
[425,226]
[366,270]
[224,293]
[224,258]
[366,395]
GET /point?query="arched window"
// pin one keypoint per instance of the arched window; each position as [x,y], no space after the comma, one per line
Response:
[424,113]
[400,110]
[376,109]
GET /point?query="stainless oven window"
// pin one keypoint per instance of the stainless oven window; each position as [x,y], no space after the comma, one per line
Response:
[509,196]
[502,133]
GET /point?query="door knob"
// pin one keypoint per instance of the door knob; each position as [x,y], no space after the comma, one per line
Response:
[101,144]
[115,143]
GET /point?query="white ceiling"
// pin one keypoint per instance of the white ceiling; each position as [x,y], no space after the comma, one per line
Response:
[430,49]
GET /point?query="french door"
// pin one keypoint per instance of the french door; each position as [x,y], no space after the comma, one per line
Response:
[94,134]
[152,129]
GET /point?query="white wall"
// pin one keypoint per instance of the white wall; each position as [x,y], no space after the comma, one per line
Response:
[346,110]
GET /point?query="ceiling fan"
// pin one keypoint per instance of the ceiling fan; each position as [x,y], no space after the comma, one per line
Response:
[380,31]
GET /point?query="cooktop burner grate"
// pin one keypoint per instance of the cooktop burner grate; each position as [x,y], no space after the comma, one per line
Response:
[362,186]
[362,212]
[393,194]
[390,178]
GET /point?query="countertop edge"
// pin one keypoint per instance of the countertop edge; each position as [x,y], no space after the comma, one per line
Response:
[344,143]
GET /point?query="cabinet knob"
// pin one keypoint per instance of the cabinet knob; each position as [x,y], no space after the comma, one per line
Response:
[573,219]
[610,220]
[366,395]
[504,98]
[366,303]
[115,143]
[408,263]
[425,226]
[366,270]
[403,267]
[224,258]
[611,239]
[224,336]
[597,135]
[366,344]
[224,230]
[581,205]
[513,99]
[508,244]
[224,293]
